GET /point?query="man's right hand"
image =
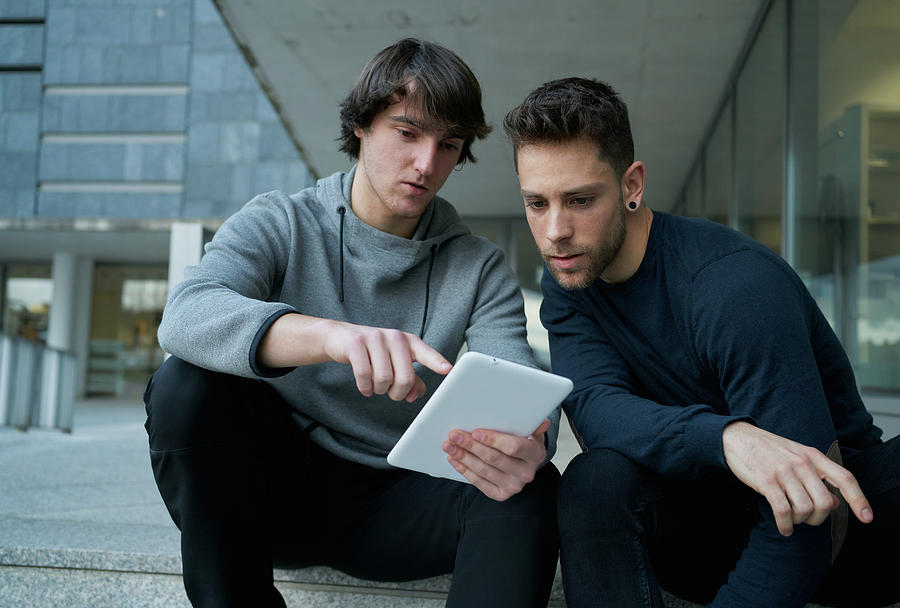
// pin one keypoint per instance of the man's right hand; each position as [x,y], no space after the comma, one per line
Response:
[790,475]
[382,359]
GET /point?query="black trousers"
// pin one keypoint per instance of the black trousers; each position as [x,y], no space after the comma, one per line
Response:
[625,532]
[250,491]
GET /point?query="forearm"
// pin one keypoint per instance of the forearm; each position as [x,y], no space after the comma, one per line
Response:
[294,340]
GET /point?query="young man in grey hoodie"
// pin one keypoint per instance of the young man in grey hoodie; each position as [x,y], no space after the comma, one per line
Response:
[306,341]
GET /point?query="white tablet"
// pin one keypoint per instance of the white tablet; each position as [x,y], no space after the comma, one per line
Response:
[479,392]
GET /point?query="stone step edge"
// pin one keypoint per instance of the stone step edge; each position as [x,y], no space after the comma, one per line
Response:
[314,578]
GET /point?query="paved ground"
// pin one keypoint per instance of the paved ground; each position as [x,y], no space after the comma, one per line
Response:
[80,512]
[82,525]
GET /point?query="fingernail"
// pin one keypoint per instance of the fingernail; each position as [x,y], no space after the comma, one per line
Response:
[450,449]
[478,436]
[456,437]
[867,513]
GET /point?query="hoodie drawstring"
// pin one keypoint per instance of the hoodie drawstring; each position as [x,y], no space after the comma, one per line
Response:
[342,211]
[427,290]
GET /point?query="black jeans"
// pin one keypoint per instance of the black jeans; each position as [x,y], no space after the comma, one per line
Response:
[625,532]
[250,491]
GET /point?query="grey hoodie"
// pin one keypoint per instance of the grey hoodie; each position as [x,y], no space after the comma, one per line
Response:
[282,254]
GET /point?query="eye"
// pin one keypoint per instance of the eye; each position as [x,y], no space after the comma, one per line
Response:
[536,204]
[583,201]
[406,134]
[450,146]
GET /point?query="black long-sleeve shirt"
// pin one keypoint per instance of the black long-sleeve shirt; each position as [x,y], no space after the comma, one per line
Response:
[712,328]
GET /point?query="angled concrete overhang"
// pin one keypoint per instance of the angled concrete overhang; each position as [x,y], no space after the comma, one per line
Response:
[669,60]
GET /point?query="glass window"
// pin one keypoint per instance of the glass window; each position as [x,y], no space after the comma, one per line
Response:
[693,196]
[718,174]
[27,294]
[529,263]
[126,311]
[759,152]
[854,267]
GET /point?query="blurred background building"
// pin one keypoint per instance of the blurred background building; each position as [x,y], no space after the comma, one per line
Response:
[130,129]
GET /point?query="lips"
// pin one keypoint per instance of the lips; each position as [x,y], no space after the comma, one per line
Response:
[415,188]
[564,262]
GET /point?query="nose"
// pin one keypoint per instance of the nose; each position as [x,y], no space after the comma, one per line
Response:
[558,226]
[425,158]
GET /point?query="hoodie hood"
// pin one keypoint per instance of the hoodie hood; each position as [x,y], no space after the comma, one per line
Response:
[439,223]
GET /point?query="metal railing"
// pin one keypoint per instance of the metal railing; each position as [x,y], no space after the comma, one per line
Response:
[37,385]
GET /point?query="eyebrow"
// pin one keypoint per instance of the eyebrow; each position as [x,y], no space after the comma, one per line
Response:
[423,126]
[584,189]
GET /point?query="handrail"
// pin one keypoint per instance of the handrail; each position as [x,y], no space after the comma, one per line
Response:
[37,385]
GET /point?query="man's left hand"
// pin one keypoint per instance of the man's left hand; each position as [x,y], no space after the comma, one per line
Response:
[498,464]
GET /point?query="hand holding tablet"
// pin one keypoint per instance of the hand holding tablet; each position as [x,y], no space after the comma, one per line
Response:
[481,392]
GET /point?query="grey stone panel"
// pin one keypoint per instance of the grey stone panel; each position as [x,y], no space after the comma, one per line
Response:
[237,146]
[117,205]
[207,71]
[19,131]
[238,76]
[175,59]
[239,141]
[208,181]
[298,178]
[111,161]
[240,182]
[114,113]
[19,137]
[264,109]
[240,105]
[212,36]
[61,25]
[271,175]
[205,12]
[202,208]
[24,202]
[16,201]
[203,143]
[214,107]
[118,42]
[19,91]
[21,45]
[21,9]
[274,142]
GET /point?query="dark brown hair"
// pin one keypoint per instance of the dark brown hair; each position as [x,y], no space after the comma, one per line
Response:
[571,108]
[432,78]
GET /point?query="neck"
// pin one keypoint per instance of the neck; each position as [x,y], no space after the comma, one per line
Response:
[369,208]
[630,256]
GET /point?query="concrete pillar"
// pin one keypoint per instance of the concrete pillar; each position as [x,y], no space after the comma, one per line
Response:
[185,249]
[84,295]
[60,325]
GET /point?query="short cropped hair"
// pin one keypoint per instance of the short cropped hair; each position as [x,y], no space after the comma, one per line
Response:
[572,108]
[432,78]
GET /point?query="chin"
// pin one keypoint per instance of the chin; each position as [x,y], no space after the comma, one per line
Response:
[570,281]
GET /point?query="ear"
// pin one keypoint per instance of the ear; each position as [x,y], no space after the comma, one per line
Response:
[358,131]
[633,182]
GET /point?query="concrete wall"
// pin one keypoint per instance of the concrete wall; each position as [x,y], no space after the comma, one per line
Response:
[122,109]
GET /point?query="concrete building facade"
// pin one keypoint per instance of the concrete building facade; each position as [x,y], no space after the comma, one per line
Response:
[129,129]
[121,123]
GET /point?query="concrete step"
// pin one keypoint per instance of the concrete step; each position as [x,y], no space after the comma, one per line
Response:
[74,578]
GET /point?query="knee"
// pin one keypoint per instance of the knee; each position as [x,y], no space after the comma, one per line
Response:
[536,503]
[186,404]
[600,484]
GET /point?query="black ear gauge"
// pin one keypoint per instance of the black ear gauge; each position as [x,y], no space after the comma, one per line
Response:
[632,205]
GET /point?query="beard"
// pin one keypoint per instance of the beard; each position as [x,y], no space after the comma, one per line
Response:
[597,257]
